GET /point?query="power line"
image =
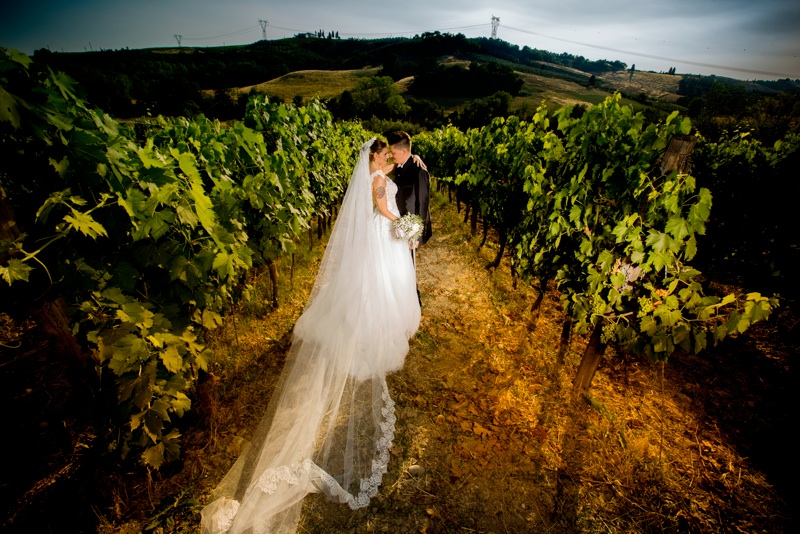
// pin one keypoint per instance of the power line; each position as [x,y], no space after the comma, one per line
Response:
[287,29]
[495,21]
[663,58]
[238,32]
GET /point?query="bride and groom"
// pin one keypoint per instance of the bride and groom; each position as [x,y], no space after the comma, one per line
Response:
[330,422]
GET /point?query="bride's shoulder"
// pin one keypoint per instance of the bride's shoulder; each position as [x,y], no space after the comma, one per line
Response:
[378,174]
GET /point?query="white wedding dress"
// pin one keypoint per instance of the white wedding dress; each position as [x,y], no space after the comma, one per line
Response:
[330,421]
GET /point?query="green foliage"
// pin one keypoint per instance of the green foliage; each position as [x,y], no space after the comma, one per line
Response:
[479,80]
[583,202]
[480,112]
[155,229]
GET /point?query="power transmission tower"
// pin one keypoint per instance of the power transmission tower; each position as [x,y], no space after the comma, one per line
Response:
[263,28]
[178,38]
[495,24]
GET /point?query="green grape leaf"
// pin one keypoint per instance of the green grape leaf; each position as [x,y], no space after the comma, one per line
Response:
[171,358]
[669,317]
[154,456]
[223,263]
[648,325]
[129,351]
[757,308]
[699,340]
[678,227]
[202,358]
[15,270]
[211,319]
[8,108]
[60,166]
[85,224]
[134,312]
[181,404]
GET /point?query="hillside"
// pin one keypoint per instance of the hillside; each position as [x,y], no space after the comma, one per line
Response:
[554,91]
[187,81]
[171,81]
[320,84]
[654,85]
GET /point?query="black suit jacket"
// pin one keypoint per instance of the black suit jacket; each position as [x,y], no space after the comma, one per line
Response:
[413,194]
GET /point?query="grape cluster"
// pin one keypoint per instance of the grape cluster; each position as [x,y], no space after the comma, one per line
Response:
[609,333]
[645,306]
[598,305]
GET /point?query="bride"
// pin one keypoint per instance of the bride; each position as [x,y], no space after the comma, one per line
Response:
[330,422]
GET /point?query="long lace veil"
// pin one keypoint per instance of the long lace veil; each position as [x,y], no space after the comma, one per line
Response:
[330,421]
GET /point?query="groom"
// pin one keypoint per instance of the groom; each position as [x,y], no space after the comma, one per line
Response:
[412,180]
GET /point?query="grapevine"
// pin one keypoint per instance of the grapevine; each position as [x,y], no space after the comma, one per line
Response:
[614,233]
[147,231]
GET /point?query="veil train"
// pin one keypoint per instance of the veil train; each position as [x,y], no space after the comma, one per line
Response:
[330,422]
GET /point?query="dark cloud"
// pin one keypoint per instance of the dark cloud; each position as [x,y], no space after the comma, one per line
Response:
[683,29]
[783,18]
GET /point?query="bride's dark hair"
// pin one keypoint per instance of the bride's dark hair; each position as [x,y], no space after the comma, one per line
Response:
[377,146]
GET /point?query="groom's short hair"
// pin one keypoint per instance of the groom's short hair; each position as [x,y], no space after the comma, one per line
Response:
[399,139]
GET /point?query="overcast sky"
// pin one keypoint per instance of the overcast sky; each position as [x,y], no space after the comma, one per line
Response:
[744,39]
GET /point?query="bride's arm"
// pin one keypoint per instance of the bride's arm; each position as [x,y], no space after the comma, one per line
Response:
[379,196]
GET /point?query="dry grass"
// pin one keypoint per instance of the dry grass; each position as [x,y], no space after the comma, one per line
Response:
[557,93]
[554,92]
[321,84]
[654,85]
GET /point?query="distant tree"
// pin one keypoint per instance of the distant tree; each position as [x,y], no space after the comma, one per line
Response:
[395,69]
[344,106]
[480,112]
[376,96]
[397,107]
[225,104]
[692,86]
[425,113]
[592,80]
[386,126]
[478,80]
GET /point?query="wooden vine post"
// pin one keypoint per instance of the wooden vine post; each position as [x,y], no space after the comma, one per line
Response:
[676,158]
[591,359]
[678,154]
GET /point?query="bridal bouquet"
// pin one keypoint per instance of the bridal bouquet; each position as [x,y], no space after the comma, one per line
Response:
[408,227]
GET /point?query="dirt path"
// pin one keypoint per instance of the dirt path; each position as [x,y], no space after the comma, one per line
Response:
[490,438]
[464,427]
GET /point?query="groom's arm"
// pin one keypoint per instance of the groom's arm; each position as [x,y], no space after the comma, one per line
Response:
[423,193]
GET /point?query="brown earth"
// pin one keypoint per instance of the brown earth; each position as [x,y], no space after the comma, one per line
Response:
[490,437]
[489,416]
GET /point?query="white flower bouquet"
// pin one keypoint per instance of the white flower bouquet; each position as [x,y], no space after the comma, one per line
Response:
[408,227]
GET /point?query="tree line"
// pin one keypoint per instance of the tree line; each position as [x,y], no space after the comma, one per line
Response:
[134,83]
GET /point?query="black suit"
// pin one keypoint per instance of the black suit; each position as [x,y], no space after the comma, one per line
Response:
[413,194]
